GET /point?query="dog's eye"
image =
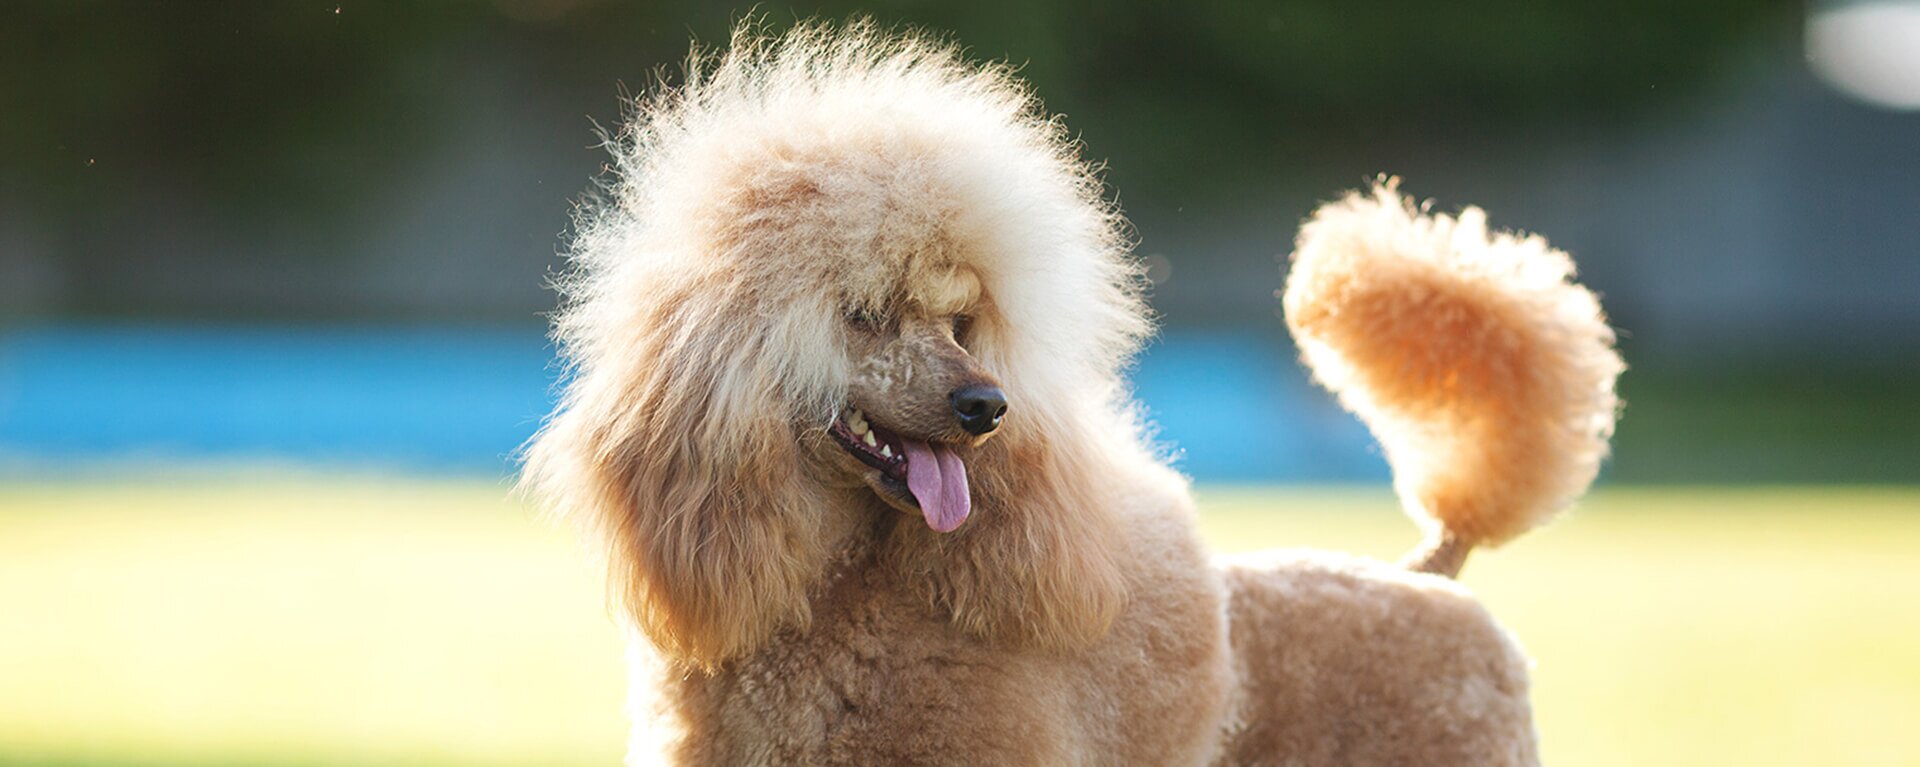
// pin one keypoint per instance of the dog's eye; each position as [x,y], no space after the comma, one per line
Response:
[961,324]
[863,319]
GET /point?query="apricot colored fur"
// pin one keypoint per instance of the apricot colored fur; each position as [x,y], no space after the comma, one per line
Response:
[798,188]
[1486,373]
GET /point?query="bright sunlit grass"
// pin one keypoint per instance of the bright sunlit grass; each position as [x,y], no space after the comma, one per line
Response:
[355,621]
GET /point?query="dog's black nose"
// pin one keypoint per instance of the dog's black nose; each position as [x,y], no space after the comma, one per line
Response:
[978,407]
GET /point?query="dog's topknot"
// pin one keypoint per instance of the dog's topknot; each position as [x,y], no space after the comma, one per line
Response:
[1485,372]
[767,142]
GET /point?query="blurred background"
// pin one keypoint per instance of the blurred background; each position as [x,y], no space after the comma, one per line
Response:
[272,277]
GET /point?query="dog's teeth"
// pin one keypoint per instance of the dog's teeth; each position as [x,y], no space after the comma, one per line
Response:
[859,428]
[868,438]
[886,451]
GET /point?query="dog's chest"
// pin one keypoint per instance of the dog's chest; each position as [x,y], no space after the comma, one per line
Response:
[883,677]
[879,678]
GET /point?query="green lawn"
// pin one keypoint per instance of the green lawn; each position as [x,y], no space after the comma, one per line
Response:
[357,621]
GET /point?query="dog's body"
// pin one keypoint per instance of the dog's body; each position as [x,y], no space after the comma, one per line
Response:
[1300,659]
[834,263]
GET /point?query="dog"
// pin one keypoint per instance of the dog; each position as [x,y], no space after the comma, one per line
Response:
[844,415]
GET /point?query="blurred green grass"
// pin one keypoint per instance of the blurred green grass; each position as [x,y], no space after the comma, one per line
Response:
[294,622]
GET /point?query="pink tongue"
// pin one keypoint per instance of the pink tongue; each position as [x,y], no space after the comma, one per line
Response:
[939,482]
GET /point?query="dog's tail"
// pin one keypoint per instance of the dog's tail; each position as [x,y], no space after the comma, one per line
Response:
[1484,371]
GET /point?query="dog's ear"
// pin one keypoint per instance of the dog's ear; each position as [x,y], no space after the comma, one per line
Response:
[677,454]
[1039,561]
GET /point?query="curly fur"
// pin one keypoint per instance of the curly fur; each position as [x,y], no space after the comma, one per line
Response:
[785,614]
[1485,372]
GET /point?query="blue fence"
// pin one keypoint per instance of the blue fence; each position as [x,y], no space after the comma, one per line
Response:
[1229,407]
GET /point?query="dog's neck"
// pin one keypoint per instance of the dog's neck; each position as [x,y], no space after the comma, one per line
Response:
[1036,563]
[861,527]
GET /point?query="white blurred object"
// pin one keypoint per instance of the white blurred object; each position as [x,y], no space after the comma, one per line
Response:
[1868,50]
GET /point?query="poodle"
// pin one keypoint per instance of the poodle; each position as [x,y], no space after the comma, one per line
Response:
[845,417]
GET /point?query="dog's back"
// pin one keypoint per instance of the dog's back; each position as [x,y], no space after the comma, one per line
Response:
[1347,661]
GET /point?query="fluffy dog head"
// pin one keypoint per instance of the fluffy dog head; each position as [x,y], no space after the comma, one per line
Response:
[846,288]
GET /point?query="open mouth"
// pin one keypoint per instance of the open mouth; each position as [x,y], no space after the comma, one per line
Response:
[928,475]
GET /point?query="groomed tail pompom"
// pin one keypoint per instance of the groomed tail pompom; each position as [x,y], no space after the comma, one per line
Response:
[1484,371]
